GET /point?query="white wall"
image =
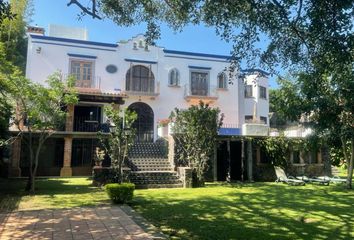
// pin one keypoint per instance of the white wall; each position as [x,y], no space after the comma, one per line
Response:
[54,57]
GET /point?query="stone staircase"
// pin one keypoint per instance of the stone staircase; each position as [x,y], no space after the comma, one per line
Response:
[150,167]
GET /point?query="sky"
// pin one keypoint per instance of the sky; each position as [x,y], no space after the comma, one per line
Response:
[192,39]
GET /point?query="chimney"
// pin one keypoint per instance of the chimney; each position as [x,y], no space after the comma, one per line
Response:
[35,30]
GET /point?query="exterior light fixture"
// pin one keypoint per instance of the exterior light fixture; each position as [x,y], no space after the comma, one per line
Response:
[39,50]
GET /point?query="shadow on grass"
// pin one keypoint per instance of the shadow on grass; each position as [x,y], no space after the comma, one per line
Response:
[11,192]
[57,191]
[251,211]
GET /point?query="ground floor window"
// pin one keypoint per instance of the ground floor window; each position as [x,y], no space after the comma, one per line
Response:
[83,151]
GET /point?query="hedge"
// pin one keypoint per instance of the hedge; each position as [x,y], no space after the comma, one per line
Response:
[120,193]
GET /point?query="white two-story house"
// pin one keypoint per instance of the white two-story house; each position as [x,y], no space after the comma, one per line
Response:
[150,80]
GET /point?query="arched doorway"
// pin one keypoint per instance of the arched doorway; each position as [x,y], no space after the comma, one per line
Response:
[144,125]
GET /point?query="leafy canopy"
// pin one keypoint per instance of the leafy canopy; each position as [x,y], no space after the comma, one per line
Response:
[195,130]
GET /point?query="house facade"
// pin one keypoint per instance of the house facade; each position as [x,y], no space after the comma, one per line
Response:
[150,80]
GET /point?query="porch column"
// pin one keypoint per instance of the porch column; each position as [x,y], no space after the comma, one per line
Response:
[66,170]
[171,150]
[228,177]
[215,164]
[242,160]
[249,161]
[15,170]
[69,124]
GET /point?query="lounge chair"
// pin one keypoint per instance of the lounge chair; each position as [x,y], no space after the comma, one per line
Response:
[290,180]
[334,179]
[321,181]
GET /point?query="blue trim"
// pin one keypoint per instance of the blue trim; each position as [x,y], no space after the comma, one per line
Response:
[198,67]
[252,70]
[81,56]
[74,41]
[139,61]
[68,45]
[197,54]
[202,59]
[229,131]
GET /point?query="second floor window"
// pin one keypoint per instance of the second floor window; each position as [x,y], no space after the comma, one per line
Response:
[140,79]
[199,83]
[248,91]
[173,77]
[81,70]
[222,81]
[262,92]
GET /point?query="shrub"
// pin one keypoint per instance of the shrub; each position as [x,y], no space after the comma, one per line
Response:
[120,193]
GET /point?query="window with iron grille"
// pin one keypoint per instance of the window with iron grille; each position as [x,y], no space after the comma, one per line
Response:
[173,77]
[222,81]
[262,92]
[200,83]
[81,70]
[140,79]
[248,91]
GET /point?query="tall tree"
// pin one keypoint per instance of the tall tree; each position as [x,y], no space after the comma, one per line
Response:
[195,131]
[40,111]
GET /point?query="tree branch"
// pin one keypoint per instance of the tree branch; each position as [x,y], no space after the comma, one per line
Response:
[86,10]
[291,24]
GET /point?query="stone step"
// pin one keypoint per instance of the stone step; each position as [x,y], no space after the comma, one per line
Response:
[151,168]
[155,182]
[149,159]
[146,186]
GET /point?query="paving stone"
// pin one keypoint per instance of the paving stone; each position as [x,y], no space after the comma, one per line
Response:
[73,224]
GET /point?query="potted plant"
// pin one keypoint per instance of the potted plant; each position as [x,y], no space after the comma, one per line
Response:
[162,127]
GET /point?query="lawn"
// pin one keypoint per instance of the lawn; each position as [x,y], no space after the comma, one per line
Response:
[250,211]
[218,211]
[51,193]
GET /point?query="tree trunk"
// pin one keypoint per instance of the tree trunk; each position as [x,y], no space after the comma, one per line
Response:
[34,169]
[350,166]
[326,161]
[30,179]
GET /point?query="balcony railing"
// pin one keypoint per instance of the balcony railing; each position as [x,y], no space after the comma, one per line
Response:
[149,92]
[200,94]
[82,124]
[94,83]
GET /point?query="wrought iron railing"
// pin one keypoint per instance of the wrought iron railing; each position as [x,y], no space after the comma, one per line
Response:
[93,83]
[155,91]
[209,92]
[82,124]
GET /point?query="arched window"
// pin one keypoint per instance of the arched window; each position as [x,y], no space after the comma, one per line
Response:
[222,80]
[173,77]
[139,79]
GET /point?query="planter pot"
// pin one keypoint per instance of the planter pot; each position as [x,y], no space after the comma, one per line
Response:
[162,131]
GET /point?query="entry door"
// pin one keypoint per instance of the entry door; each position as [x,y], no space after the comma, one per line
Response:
[144,125]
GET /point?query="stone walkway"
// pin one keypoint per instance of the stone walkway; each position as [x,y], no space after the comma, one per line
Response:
[77,223]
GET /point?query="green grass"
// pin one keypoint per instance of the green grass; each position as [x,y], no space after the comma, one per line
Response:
[218,211]
[50,193]
[250,211]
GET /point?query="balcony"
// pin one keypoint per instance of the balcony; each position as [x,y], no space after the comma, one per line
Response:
[85,85]
[147,92]
[195,95]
